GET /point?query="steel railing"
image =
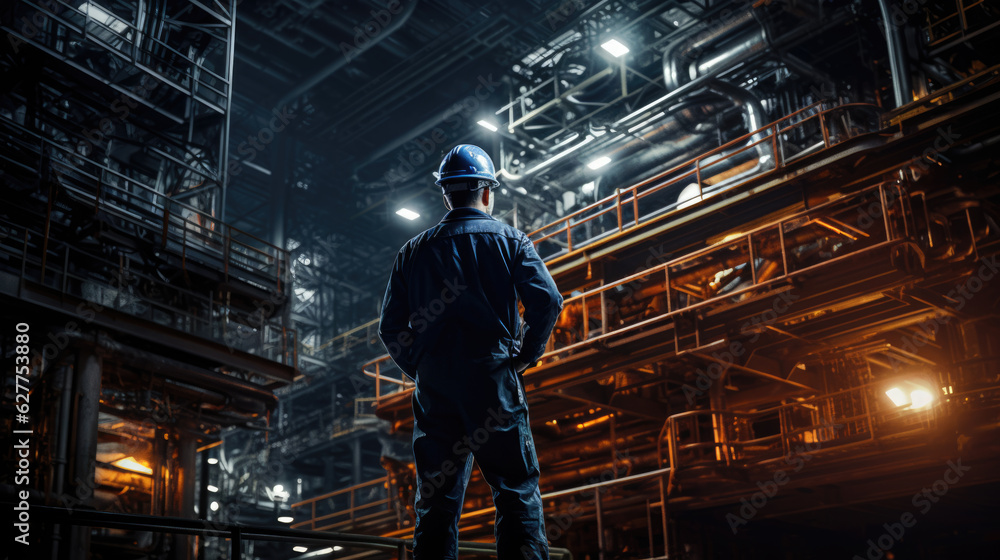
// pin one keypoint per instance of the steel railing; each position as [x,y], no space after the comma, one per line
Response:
[237,534]
[833,420]
[758,262]
[178,227]
[115,284]
[120,38]
[751,156]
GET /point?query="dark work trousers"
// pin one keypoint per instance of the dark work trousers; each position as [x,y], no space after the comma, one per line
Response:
[479,413]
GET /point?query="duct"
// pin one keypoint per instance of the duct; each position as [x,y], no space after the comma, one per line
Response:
[329,70]
[897,54]
[744,45]
[266,30]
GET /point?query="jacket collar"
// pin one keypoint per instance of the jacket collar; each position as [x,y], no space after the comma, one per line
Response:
[459,214]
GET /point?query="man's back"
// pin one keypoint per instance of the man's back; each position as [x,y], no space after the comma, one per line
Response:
[450,321]
[461,280]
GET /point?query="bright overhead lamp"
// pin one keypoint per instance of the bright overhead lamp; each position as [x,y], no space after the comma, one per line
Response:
[213,488]
[487,125]
[213,461]
[599,162]
[897,396]
[407,213]
[912,395]
[299,548]
[214,506]
[286,519]
[615,47]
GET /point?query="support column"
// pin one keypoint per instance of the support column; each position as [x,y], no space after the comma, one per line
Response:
[186,457]
[356,463]
[87,393]
[203,501]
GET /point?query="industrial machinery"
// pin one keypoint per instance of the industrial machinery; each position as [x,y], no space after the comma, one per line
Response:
[152,324]
[779,299]
[775,225]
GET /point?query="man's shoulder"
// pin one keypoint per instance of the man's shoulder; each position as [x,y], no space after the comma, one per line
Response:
[474,224]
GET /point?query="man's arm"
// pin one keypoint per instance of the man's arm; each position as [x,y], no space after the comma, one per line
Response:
[542,303]
[394,325]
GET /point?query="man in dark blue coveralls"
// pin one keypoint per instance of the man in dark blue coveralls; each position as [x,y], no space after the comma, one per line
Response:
[450,321]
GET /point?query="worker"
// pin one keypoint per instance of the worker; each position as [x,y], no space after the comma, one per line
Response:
[450,321]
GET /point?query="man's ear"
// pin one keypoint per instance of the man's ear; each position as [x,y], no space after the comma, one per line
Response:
[487,193]
[447,202]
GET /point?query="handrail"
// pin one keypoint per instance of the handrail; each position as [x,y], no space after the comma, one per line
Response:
[872,416]
[237,532]
[350,512]
[193,70]
[203,321]
[769,135]
[581,303]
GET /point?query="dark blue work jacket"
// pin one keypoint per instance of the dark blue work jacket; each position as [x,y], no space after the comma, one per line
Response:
[452,298]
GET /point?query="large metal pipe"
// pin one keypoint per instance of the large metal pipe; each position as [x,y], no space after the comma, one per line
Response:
[87,391]
[897,55]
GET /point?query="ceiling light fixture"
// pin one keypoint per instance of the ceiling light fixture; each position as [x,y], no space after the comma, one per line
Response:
[407,213]
[487,125]
[615,47]
[286,519]
[910,394]
[213,461]
[599,162]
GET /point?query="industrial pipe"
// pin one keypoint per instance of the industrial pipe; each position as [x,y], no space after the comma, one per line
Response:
[336,65]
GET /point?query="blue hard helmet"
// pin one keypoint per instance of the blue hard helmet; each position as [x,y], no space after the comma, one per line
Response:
[464,164]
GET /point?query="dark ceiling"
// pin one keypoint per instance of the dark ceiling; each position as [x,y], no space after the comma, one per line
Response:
[375,92]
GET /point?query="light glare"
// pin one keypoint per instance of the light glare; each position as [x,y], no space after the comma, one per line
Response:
[407,213]
[299,548]
[897,396]
[920,398]
[487,125]
[130,464]
[286,519]
[599,162]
